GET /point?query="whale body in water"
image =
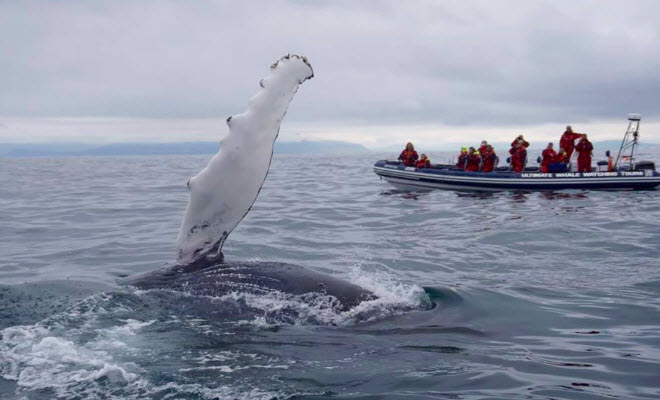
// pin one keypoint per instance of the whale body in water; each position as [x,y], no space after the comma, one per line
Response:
[223,193]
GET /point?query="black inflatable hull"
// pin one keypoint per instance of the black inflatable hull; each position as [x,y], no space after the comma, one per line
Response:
[410,178]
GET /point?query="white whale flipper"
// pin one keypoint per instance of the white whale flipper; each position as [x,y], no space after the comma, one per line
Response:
[223,192]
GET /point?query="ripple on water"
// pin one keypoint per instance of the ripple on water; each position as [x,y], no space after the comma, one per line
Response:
[536,295]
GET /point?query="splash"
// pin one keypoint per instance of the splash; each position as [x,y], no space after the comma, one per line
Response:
[223,192]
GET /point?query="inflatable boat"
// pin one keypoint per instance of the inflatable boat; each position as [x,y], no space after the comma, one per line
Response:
[624,173]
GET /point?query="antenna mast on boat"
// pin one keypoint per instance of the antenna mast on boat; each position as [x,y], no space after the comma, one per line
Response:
[629,142]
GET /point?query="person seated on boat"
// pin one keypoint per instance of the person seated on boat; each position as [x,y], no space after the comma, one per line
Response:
[423,162]
[567,141]
[584,149]
[462,158]
[408,155]
[549,156]
[488,159]
[473,160]
[520,137]
[560,162]
[518,156]
[483,146]
[562,156]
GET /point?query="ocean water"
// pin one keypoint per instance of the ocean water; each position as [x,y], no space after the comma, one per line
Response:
[481,296]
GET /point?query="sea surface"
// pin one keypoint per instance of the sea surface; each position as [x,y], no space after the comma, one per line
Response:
[481,296]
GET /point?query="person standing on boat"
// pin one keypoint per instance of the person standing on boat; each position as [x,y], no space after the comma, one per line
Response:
[462,158]
[473,160]
[518,156]
[549,156]
[423,162]
[567,141]
[488,159]
[584,148]
[482,148]
[409,155]
[519,138]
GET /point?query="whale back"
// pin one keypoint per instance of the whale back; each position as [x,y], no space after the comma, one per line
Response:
[224,191]
[208,278]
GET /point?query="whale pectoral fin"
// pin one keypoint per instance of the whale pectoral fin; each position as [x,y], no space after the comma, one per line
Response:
[212,207]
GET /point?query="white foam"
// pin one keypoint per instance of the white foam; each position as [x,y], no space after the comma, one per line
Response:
[36,360]
[223,192]
[130,328]
[393,297]
[69,354]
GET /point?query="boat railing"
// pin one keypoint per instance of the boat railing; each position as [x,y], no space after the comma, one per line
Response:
[629,143]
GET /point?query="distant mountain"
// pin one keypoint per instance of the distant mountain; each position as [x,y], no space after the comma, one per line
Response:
[41,149]
[174,148]
[149,149]
[316,147]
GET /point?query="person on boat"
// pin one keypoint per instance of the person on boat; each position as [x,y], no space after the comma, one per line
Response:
[567,141]
[488,159]
[562,156]
[518,156]
[560,162]
[520,137]
[462,158]
[483,146]
[409,155]
[473,160]
[584,149]
[549,156]
[423,162]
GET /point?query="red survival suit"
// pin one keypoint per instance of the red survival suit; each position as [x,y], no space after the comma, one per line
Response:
[584,148]
[426,163]
[515,141]
[518,157]
[473,162]
[462,160]
[488,161]
[567,142]
[408,158]
[562,158]
[549,156]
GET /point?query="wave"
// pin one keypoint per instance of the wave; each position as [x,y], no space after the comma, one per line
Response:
[102,346]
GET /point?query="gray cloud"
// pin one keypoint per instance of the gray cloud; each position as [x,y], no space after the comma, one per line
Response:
[385,62]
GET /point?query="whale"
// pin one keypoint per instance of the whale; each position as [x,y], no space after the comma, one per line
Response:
[222,194]
[207,278]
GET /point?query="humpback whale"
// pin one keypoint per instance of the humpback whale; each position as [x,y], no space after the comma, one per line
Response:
[223,193]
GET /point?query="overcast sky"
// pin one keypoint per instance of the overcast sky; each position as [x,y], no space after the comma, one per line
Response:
[385,71]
